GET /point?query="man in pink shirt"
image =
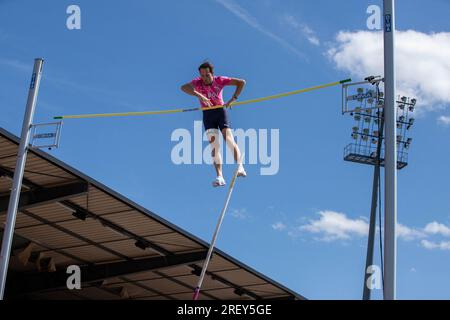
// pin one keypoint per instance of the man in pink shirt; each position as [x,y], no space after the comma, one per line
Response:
[208,89]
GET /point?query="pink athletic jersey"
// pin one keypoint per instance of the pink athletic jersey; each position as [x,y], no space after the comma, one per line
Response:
[214,91]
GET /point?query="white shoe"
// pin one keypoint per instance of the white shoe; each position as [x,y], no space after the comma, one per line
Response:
[241,172]
[219,182]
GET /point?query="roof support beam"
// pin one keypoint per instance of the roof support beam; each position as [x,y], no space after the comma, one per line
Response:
[140,242]
[5,172]
[237,289]
[41,196]
[22,283]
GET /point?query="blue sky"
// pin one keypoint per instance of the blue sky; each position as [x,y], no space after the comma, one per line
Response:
[302,227]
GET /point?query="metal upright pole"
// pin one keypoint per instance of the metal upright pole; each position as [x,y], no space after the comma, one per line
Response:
[18,173]
[390,209]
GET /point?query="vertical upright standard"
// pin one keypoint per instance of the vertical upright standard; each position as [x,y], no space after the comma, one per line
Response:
[18,173]
[390,209]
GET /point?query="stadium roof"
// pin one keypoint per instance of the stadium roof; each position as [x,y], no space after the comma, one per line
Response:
[124,250]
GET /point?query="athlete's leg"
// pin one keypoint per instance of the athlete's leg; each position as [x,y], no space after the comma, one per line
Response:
[224,125]
[229,139]
[213,137]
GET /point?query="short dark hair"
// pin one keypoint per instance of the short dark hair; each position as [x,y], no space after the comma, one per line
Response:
[207,65]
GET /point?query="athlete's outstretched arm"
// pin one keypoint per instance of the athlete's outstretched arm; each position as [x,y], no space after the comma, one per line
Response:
[240,84]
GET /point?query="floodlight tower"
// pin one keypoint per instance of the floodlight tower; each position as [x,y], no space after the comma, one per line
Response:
[390,116]
[367,108]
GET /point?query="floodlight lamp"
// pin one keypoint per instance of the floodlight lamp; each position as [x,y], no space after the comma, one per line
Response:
[408,143]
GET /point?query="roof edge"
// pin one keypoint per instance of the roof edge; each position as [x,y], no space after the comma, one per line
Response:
[13,138]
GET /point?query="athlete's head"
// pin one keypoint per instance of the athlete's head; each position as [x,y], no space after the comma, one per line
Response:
[206,71]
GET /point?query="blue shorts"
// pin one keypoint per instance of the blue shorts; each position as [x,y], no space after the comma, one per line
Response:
[216,119]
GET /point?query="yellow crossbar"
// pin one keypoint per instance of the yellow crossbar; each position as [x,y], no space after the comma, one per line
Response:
[235,104]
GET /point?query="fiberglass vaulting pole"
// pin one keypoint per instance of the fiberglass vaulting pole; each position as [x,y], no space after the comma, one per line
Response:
[18,173]
[216,233]
[390,206]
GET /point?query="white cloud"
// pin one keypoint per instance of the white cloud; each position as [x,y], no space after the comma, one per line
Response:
[279,226]
[332,226]
[336,226]
[436,228]
[302,28]
[444,120]
[408,234]
[245,16]
[423,63]
[430,245]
